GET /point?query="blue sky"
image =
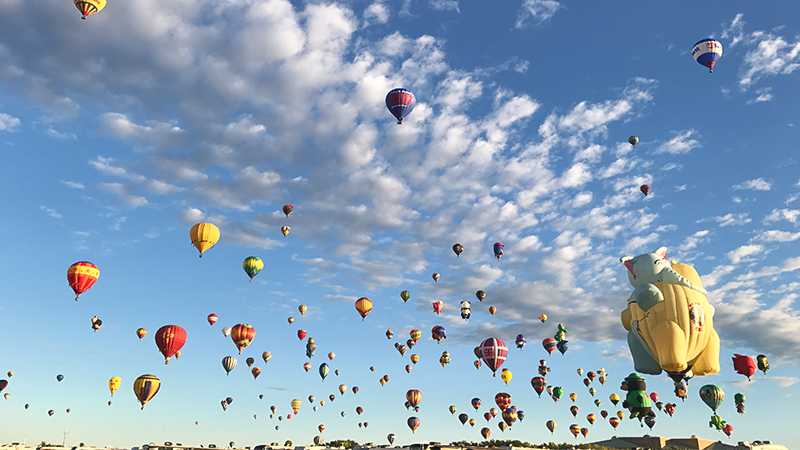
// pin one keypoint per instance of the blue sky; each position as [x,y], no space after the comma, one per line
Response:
[120,132]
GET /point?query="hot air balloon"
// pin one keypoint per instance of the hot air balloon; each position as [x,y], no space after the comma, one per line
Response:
[96,323]
[538,384]
[502,400]
[551,425]
[415,335]
[558,391]
[295,405]
[242,335]
[287,209]
[81,276]
[506,375]
[562,346]
[250,361]
[645,188]
[445,359]
[323,371]
[438,306]
[510,416]
[436,276]
[255,371]
[707,52]
[763,363]
[301,334]
[669,408]
[363,306]
[494,353]
[390,438]
[50,413]
[591,418]
[438,333]
[415,358]
[712,395]
[614,422]
[466,310]
[146,387]
[212,319]
[727,429]
[633,140]
[520,341]
[170,339]
[400,103]
[89,7]
[744,365]
[486,433]
[542,317]
[204,236]
[492,310]
[477,363]
[503,426]
[266,356]
[413,423]
[114,384]
[573,397]
[574,410]
[458,249]
[549,345]
[480,295]
[290,320]
[498,249]
[252,265]
[405,295]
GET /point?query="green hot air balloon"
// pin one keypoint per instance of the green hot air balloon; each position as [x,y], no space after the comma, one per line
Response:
[712,395]
[558,391]
[323,370]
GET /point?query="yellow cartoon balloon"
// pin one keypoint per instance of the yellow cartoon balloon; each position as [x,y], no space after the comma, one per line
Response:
[113,384]
[669,320]
[89,7]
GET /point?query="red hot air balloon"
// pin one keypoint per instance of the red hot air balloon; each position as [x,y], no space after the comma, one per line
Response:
[549,345]
[645,188]
[413,423]
[287,209]
[502,400]
[744,365]
[538,384]
[400,102]
[438,306]
[301,334]
[81,276]
[212,319]
[242,335]
[654,397]
[170,339]
[494,353]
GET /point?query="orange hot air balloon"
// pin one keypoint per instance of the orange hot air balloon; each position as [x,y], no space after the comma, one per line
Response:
[242,335]
[492,310]
[256,372]
[614,422]
[81,276]
[415,358]
[363,306]
[414,397]
[170,339]
[141,333]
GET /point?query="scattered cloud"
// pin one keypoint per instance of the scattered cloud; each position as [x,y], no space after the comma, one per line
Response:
[52,213]
[8,122]
[122,192]
[377,12]
[778,236]
[781,214]
[681,143]
[73,184]
[732,219]
[756,184]
[536,11]
[741,253]
[445,5]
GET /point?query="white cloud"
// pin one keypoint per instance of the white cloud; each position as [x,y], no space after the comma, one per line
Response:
[193,215]
[376,12]
[529,243]
[536,11]
[741,253]
[52,213]
[756,184]
[768,55]
[445,5]
[577,175]
[779,214]
[763,95]
[73,184]
[8,122]
[154,132]
[731,219]
[122,192]
[694,240]
[582,199]
[734,32]
[778,236]
[681,143]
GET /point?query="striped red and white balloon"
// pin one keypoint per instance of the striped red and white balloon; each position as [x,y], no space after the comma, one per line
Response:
[494,353]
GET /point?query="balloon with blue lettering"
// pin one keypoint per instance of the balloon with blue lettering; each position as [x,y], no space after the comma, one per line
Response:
[707,53]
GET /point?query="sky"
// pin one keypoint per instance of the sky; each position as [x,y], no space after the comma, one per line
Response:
[120,132]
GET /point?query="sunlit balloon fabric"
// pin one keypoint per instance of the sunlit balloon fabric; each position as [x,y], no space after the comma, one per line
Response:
[204,236]
[81,276]
[400,103]
[170,340]
[146,387]
[707,52]
[89,7]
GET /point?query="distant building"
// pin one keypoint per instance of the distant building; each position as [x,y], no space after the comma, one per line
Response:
[692,443]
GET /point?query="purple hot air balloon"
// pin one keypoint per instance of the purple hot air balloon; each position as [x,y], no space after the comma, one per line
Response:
[400,103]
[498,249]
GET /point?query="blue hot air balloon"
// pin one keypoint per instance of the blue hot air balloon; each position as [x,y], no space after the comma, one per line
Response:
[707,52]
[498,249]
[400,103]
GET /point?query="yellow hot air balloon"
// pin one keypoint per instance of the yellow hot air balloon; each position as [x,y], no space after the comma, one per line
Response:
[363,306]
[542,317]
[89,7]
[573,396]
[415,335]
[415,358]
[506,375]
[204,236]
[296,404]
[342,388]
[146,387]
[285,230]
[302,309]
[113,384]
